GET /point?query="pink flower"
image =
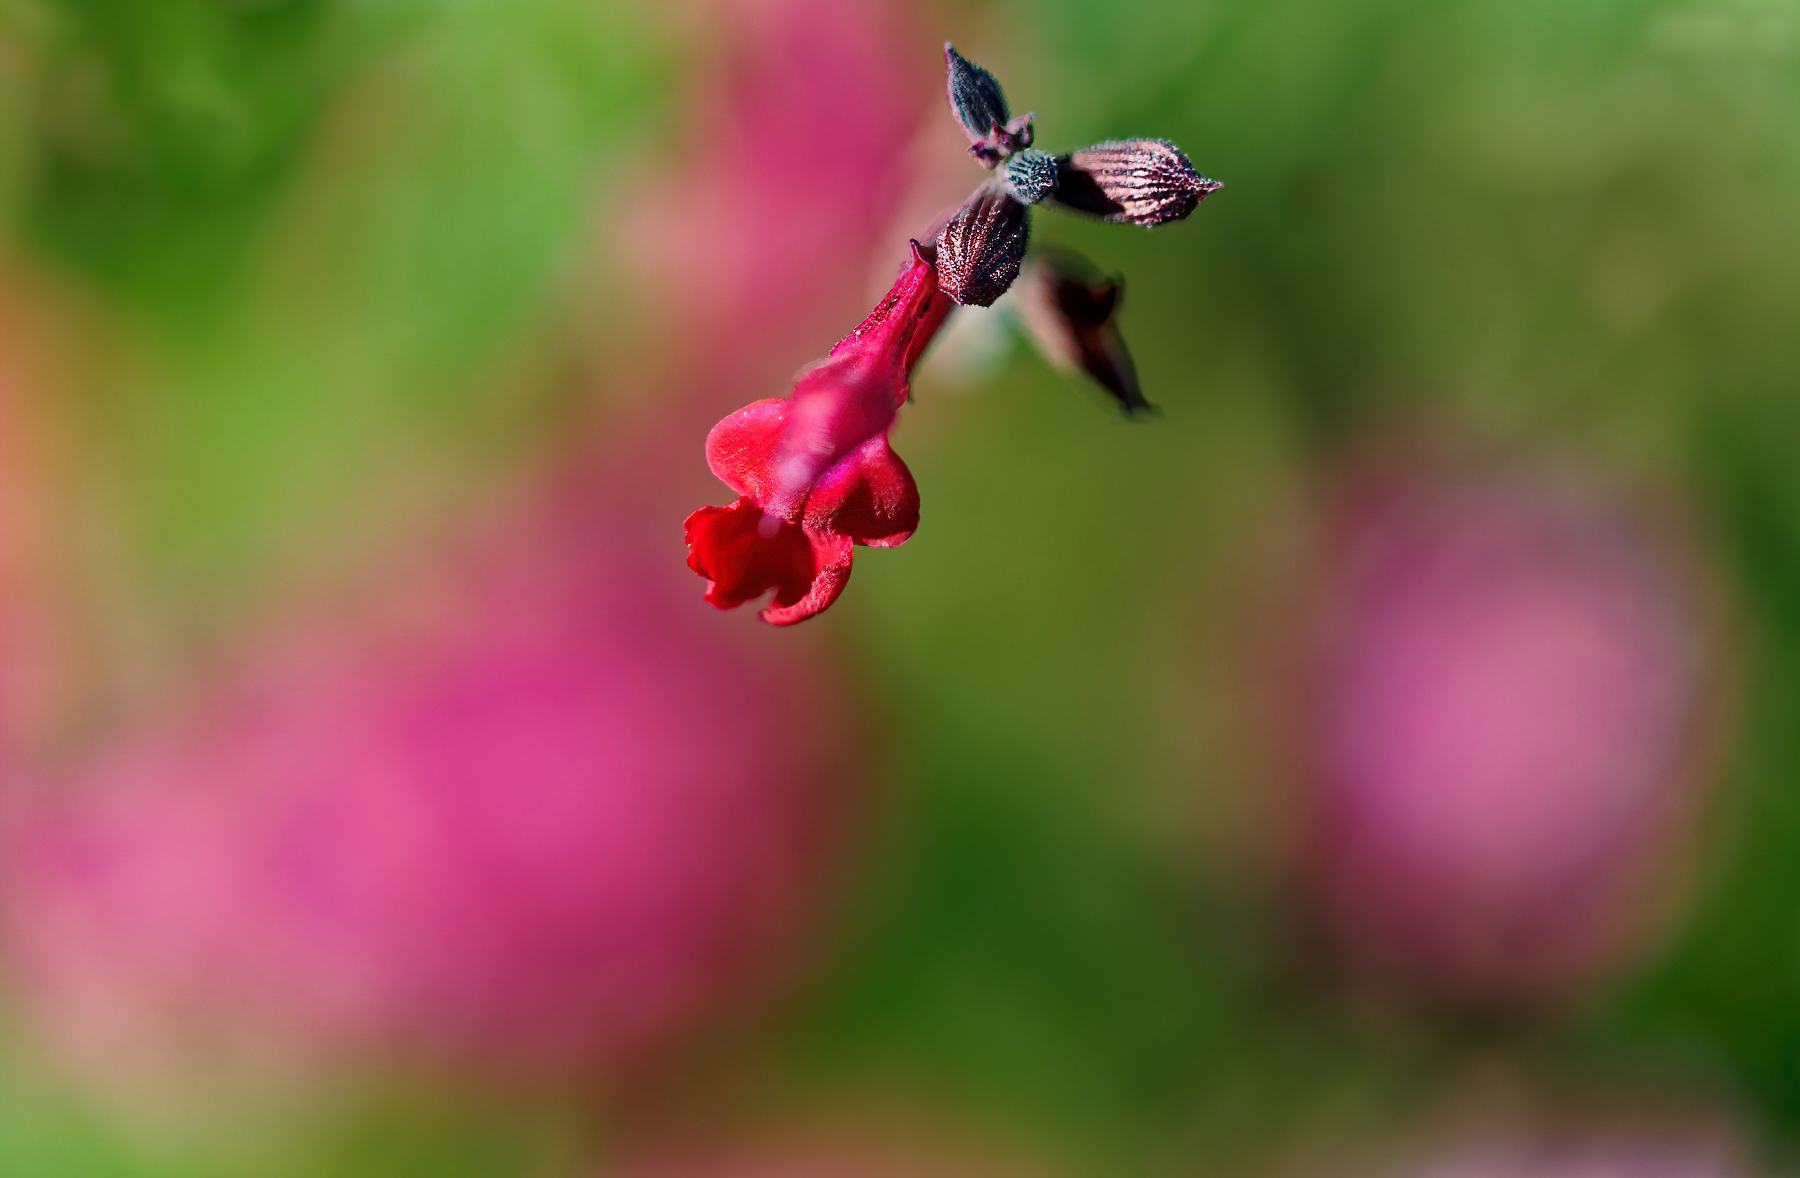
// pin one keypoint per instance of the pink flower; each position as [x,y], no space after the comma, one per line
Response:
[757,231]
[1506,725]
[814,472]
[523,811]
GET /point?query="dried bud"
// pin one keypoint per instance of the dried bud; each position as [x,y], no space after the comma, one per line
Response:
[1029,176]
[1136,181]
[1069,311]
[980,248]
[975,96]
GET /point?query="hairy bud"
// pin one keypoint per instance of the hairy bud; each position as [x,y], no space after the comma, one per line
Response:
[1029,176]
[1069,311]
[1135,181]
[980,248]
[975,96]
[980,109]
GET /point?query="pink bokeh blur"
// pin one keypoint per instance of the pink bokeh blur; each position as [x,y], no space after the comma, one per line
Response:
[544,811]
[760,238]
[1506,721]
[530,799]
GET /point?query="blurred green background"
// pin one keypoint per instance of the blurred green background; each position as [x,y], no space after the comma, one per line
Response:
[316,273]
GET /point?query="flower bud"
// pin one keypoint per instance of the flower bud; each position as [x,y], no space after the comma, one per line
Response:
[981,247]
[980,108]
[1029,176]
[1069,311]
[1134,181]
[975,96]
[1018,133]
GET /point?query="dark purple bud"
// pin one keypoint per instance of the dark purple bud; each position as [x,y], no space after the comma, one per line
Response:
[980,248]
[1070,310]
[1029,176]
[1135,181]
[980,107]
[975,97]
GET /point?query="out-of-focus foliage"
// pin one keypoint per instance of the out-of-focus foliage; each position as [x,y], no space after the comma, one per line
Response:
[318,226]
[327,265]
[156,132]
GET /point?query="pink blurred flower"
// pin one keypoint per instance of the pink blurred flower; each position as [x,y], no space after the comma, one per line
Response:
[1504,731]
[530,813]
[789,175]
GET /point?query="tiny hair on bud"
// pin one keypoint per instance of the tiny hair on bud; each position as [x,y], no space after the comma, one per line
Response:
[1030,176]
[975,96]
[1132,181]
[981,247]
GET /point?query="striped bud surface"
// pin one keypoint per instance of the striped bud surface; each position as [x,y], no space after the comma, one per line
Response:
[1133,181]
[981,247]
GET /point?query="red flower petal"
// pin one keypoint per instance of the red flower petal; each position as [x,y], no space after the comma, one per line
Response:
[869,496]
[831,554]
[727,547]
[941,306]
[887,334]
[834,410]
[742,448]
[806,568]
